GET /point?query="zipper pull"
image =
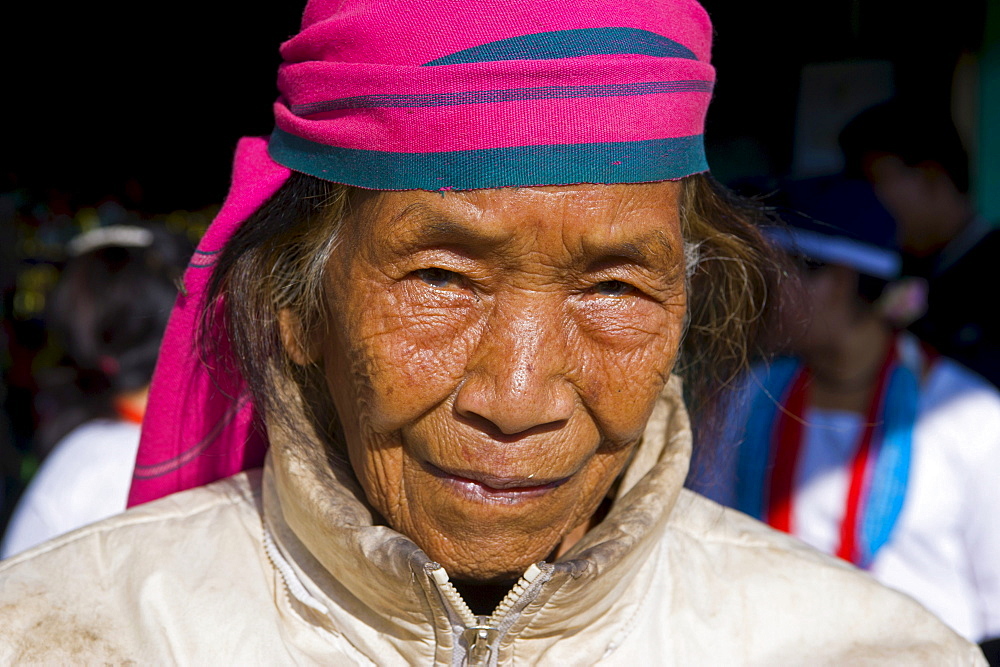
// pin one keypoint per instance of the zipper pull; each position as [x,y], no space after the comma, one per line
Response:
[481,633]
[479,639]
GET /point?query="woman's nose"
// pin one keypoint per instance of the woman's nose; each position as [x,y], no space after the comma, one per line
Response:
[517,380]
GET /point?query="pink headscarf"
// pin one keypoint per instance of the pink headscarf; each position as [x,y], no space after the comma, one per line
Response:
[433,95]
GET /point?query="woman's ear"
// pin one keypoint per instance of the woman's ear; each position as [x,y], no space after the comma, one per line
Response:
[299,348]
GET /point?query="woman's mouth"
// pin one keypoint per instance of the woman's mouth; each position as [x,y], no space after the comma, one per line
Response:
[486,487]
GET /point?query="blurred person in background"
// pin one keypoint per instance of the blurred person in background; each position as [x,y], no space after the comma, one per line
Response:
[864,442]
[915,160]
[108,313]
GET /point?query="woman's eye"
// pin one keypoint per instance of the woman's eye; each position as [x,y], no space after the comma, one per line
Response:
[438,277]
[613,288]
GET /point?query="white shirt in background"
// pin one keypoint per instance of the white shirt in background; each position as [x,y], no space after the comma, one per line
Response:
[85,478]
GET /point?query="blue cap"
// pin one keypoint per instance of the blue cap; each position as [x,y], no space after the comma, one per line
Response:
[837,220]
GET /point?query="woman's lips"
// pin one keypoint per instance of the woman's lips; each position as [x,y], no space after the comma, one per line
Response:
[484,486]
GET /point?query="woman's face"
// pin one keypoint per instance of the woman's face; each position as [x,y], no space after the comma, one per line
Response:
[495,354]
[827,309]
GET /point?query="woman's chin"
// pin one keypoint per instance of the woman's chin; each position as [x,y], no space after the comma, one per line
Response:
[485,553]
[491,566]
[487,524]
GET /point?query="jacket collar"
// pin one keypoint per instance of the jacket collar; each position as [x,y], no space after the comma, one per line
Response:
[366,579]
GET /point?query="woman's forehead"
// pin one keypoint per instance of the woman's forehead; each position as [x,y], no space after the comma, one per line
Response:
[638,217]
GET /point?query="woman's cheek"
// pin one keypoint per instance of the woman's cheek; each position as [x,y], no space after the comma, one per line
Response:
[628,325]
[417,349]
[630,351]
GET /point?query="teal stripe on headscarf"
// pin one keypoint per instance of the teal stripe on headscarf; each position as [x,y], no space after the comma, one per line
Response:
[771,384]
[525,166]
[570,44]
[886,487]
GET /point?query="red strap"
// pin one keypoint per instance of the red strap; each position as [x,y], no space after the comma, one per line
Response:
[859,466]
[788,438]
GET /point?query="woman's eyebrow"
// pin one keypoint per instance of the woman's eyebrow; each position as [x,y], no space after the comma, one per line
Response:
[648,249]
[433,228]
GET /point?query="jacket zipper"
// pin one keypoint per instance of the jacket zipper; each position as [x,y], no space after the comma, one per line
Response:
[481,632]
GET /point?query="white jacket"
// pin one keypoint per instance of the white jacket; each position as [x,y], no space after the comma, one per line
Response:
[287,566]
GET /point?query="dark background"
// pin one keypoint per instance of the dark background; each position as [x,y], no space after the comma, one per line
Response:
[140,102]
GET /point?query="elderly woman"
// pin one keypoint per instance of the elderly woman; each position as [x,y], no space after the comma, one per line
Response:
[452,287]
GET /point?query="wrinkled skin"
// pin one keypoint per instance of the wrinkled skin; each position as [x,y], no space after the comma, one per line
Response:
[494,356]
